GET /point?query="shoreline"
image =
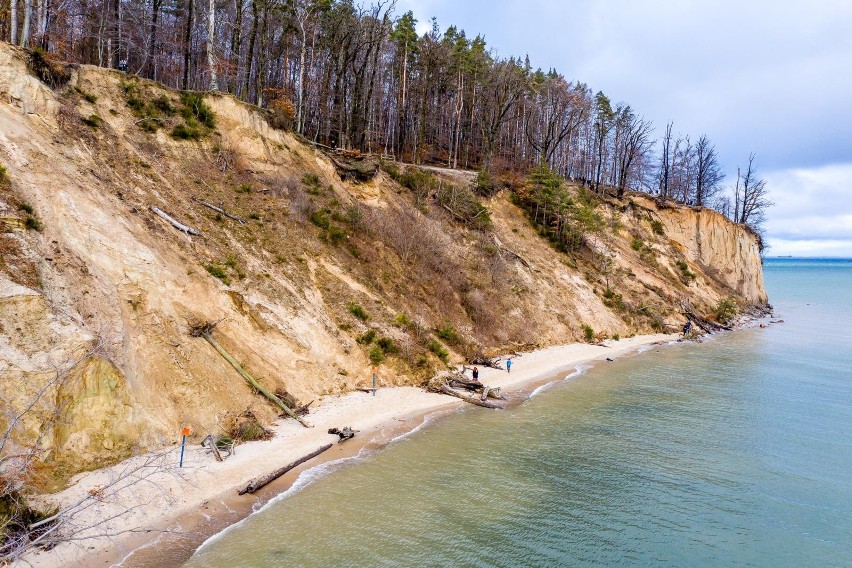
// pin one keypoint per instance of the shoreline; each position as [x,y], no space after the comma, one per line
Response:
[191,505]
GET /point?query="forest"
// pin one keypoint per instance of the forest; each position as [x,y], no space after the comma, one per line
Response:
[359,76]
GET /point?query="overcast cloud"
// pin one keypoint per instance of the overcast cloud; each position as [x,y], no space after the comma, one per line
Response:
[772,77]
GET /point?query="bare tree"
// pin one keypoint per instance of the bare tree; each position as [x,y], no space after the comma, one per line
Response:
[751,197]
[709,174]
[666,158]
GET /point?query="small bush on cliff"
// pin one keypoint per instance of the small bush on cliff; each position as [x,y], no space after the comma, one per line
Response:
[438,349]
[358,311]
[588,333]
[47,68]
[658,227]
[93,121]
[727,309]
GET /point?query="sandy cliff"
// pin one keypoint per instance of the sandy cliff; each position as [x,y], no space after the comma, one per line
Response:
[107,282]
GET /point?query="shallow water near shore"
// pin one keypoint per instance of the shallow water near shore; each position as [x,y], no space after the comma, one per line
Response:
[733,452]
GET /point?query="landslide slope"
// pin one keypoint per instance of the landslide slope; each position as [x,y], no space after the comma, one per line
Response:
[324,280]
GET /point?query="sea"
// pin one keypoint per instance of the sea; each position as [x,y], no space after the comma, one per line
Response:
[736,451]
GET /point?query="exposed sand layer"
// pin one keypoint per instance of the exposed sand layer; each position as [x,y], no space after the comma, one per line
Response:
[167,496]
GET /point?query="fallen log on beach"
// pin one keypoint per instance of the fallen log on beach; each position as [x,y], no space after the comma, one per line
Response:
[256,484]
[705,324]
[346,433]
[471,399]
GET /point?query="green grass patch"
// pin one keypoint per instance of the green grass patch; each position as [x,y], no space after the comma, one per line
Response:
[358,311]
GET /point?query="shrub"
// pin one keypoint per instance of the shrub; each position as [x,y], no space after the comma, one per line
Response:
[26,208]
[588,333]
[164,105]
[358,311]
[387,345]
[218,272]
[195,107]
[367,338]
[447,332]
[616,337]
[4,175]
[402,320]
[438,349]
[247,428]
[33,223]
[185,132]
[485,184]
[658,227]
[89,97]
[376,355]
[464,205]
[637,244]
[51,72]
[726,309]
[685,271]
[93,121]
[244,188]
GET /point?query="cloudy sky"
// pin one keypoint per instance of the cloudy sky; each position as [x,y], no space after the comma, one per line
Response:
[773,77]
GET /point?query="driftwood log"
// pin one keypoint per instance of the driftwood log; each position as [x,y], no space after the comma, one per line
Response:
[705,324]
[259,482]
[252,381]
[346,434]
[471,399]
[208,205]
[176,224]
[483,361]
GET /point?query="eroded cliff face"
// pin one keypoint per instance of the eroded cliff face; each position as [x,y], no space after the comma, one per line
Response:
[105,294]
[727,252]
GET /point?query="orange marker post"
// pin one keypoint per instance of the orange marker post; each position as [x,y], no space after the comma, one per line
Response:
[184,433]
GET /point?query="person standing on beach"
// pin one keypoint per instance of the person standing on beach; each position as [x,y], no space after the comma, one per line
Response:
[475,374]
[509,365]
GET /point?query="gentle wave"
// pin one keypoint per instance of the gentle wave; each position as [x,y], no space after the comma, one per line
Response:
[579,370]
[305,478]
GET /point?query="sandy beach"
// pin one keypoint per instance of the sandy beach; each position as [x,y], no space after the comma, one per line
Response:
[160,504]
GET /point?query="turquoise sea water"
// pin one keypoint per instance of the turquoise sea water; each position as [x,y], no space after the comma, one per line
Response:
[735,452]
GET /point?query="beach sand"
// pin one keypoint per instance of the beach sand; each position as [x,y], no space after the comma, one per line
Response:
[168,512]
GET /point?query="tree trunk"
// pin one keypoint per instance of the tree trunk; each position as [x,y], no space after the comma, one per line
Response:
[256,484]
[13,22]
[252,381]
[211,38]
[25,31]
[152,40]
[187,45]
[250,52]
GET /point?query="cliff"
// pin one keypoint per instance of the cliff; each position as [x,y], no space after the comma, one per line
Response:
[99,291]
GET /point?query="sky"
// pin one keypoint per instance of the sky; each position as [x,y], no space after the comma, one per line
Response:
[772,77]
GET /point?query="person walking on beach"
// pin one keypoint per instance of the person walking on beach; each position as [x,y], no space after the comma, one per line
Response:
[686,327]
[509,365]
[476,374]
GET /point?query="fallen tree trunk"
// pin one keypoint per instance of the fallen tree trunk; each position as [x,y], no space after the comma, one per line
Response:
[252,381]
[483,361]
[256,484]
[346,434]
[220,210]
[504,249]
[705,324]
[177,225]
[472,400]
